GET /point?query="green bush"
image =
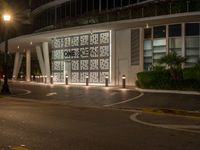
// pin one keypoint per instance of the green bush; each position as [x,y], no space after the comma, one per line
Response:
[153,79]
[191,73]
[163,80]
[173,78]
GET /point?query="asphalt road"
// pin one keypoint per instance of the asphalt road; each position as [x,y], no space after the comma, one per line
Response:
[72,95]
[64,124]
[42,126]
[102,96]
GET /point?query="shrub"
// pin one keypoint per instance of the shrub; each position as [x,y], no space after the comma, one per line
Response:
[157,68]
[173,62]
[173,78]
[153,79]
[163,80]
[191,73]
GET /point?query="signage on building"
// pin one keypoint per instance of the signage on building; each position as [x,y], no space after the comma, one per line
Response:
[73,53]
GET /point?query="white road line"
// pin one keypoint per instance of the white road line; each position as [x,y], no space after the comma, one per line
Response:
[186,128]
[26,92]
[125,101]
[51,94]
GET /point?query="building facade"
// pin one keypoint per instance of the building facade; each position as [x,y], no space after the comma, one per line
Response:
[100,39]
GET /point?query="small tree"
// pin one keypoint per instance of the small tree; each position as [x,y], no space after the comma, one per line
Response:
[174,63]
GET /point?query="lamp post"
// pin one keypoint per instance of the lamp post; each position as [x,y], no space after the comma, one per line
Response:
[5,87]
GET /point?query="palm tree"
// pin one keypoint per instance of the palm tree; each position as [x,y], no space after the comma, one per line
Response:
[174,63]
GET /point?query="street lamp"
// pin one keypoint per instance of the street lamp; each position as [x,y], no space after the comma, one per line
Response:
[5,87]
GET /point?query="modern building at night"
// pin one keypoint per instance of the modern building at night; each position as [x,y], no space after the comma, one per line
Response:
[99,38]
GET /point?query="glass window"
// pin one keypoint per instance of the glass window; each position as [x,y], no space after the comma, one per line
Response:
[175,45]
[160,42]
[192,50]
[175,30]
[159,32]
[191,29]
[192,42]
[147,33]
[148,54]
[147,44]
[159,49]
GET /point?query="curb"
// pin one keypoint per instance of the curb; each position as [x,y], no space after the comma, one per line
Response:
[165,111]
[168,91]
[172,112]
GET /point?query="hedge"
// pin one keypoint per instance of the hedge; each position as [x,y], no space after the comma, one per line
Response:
[163,80]
[191,73]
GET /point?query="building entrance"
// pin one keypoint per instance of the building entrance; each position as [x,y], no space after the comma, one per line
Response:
[81,56]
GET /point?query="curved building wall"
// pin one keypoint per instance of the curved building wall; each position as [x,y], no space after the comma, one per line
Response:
[83,12]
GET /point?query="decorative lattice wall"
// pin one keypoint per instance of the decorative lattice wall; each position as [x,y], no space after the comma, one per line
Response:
[89,55]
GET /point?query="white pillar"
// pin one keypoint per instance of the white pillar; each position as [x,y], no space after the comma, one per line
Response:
[28,65]
[19,64]
[46,60]
[41,60]
[16,64]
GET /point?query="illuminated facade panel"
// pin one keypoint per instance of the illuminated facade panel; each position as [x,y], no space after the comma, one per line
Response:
[79,56]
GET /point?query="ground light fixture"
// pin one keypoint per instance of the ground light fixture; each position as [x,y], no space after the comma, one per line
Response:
[106,81]
[51,80]
[37,78]
[87,80]
[40,78]
[5,88]
[32,78]
[66,79]
[45,79]
[123,81]
[21,77]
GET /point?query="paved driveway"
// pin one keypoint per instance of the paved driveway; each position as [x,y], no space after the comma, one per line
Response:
[73,95]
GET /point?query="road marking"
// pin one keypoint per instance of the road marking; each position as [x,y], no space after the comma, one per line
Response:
[19,148]
[26,92]
[186,128]
[125,101]
[51,94]
[113,93]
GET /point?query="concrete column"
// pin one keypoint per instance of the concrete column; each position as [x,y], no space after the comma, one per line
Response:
[19,64]
[141,49]
[16,64]
[28,65]
[113,59]
[46,60]
[41,60]
[183,42]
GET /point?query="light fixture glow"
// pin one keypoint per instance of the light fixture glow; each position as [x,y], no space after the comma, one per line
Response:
[147,25]
[6,17]
[123,77]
